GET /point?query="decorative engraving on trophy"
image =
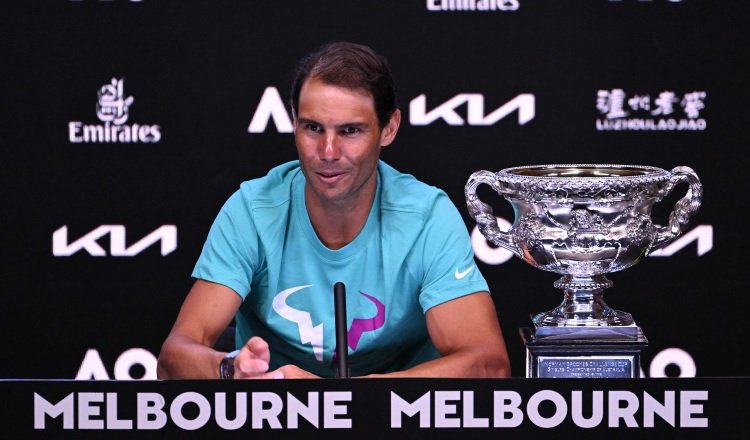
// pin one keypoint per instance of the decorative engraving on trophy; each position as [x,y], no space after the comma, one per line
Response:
[587,232]
[584,220]
[638,228]
[586,244]
[530,232]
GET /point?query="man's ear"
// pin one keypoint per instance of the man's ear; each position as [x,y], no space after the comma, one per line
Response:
[388,133]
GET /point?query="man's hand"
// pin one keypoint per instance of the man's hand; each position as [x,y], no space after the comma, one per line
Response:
[252,361]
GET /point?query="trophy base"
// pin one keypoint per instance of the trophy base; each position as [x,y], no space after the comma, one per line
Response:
[583,355]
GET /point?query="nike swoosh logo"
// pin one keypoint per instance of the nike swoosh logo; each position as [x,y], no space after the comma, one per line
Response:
[461,275]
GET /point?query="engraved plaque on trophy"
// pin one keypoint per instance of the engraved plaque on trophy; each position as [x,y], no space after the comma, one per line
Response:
[583,221]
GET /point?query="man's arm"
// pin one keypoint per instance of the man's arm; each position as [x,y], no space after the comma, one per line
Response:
[187,351]
[467,334]
[465,331]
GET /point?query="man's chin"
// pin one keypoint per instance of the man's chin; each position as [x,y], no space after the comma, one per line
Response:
[327,194]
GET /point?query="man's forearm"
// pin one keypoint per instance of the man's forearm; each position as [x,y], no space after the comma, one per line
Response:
[458,364]
[182,358]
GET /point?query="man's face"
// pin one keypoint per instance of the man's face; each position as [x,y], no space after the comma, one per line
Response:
[338,140]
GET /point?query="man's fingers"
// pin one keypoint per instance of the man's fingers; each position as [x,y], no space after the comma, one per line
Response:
[253,359]
[255,369]
[259,348]
[249,366]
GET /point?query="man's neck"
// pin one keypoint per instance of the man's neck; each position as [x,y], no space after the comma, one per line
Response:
[337,223]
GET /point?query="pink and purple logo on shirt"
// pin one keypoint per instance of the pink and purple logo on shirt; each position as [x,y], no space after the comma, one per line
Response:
[313,335]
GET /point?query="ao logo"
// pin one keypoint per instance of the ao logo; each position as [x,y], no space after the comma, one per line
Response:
[672,356]
[92,366]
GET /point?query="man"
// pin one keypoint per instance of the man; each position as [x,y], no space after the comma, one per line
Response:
[416,303]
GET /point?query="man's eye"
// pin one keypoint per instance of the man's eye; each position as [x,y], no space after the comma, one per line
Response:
[351,130]
[312,127]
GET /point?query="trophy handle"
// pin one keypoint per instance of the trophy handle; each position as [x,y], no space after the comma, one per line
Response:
[482,212]
[683,210]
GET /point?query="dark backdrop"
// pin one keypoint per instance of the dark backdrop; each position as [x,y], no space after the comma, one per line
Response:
[671,75]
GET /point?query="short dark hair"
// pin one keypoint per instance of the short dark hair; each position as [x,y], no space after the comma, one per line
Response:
[352,66]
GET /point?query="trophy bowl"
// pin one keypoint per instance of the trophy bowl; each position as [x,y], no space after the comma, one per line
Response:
[583,221]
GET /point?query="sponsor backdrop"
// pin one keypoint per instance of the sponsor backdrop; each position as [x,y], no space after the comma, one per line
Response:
[126,125]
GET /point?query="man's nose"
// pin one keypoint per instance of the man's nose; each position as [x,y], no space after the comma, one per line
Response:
[330,149]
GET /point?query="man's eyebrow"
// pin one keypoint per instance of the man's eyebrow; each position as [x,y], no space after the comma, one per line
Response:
[355,124]
[359,125]
[308,121]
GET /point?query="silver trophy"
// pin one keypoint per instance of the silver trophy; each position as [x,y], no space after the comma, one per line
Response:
[583,221]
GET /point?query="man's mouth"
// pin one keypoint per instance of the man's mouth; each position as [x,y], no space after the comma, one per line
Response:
[330,176]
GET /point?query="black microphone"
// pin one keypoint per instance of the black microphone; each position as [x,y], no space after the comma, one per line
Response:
[342,351]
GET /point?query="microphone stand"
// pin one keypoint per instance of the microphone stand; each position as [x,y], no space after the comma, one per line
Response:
[342,350]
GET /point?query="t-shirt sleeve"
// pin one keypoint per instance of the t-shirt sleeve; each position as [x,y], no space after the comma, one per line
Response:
[230,253]
[449,269]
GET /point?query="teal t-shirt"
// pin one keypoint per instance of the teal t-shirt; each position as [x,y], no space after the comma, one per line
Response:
[413,253]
